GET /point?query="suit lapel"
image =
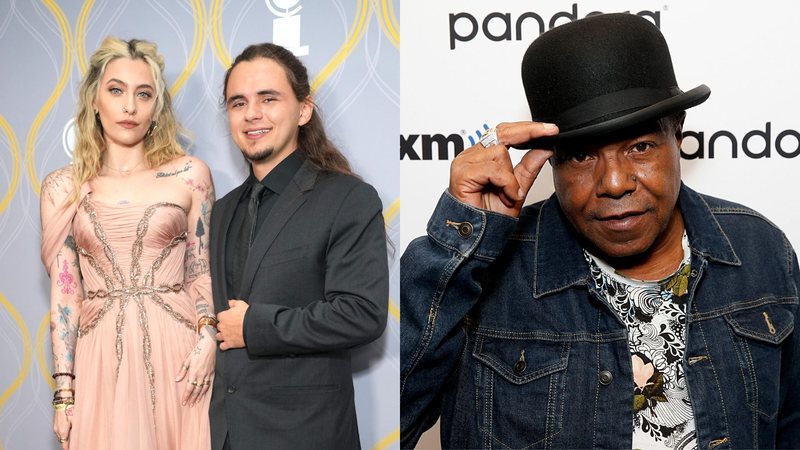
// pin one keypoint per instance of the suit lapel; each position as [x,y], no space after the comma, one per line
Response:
[222,217]
[284,208]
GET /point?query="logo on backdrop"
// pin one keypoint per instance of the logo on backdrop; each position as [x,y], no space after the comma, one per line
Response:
[761,142]
[421,146]
[286,28]
[755,144]
[68,138]
[502,26]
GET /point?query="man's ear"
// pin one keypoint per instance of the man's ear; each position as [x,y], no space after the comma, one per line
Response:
[306,111]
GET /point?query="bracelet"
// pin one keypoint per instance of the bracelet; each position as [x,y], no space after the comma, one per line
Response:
[63,390]
[63,374]
[66,407]
[61,403]
[206,320]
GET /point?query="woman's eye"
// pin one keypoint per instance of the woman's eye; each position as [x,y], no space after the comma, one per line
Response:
[115,91]
[145,95]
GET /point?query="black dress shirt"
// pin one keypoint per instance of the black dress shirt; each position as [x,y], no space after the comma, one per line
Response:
[275,183]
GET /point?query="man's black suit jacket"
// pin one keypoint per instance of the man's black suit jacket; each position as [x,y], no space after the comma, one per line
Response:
[317,284]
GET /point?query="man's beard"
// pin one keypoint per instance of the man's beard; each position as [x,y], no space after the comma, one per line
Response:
[259,155]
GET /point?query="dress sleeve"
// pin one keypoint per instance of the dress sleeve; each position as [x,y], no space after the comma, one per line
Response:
[57,211]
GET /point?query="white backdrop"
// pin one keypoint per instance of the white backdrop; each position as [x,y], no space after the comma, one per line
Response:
[351,48]
[463,71]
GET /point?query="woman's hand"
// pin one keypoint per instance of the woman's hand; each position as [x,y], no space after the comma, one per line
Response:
[198,367]
[62,424]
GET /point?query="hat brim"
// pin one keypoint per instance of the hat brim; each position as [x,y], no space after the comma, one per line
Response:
[663,108]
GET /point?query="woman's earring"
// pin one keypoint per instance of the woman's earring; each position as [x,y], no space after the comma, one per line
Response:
[153,126]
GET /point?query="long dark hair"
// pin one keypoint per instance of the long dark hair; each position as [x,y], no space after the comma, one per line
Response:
[313,141]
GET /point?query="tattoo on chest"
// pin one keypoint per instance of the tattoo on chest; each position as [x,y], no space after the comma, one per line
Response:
[175,172]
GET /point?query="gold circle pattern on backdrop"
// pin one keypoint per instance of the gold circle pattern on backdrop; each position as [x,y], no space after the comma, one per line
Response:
[13,147]
[26,350]
[207,26]
[66,64]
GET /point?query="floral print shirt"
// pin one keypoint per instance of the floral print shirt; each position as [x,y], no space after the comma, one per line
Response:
[655,315]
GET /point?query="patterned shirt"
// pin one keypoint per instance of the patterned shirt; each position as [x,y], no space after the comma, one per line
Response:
[655,315]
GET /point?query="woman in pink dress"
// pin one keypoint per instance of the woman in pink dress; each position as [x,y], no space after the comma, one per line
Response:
[125,242]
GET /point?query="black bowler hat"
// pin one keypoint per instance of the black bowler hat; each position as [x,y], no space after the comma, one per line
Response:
[600,75]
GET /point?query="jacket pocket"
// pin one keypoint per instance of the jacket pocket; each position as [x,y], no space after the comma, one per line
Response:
[758,335]
[520,390]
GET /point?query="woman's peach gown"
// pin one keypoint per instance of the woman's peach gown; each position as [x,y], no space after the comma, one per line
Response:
[137,325]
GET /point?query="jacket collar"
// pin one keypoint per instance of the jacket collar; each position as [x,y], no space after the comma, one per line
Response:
[556,241]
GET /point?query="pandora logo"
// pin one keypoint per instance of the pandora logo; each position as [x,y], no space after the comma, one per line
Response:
[503,26]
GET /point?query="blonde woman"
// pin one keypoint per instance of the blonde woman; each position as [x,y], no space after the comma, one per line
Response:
[125,242]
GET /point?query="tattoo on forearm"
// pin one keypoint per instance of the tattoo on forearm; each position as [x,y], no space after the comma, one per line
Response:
[200,231]
[186,168]
[196,268]
[70,243]
[201,306]
[68,332]
[66,281]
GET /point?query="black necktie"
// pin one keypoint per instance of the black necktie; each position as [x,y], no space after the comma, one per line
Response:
[252,211]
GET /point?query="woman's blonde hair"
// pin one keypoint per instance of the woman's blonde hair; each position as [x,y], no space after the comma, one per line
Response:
[161,141]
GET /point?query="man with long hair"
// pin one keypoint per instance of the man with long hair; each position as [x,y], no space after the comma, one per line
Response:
[299,268]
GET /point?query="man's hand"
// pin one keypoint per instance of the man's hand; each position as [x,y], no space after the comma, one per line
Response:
[230,325]
[485,178]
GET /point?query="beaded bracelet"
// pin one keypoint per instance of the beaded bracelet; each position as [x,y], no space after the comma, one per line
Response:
[63,374]
[63,390]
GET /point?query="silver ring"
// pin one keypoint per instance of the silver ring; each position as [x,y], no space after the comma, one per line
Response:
[489,138]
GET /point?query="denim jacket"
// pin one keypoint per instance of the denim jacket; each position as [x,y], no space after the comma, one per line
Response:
[481,288]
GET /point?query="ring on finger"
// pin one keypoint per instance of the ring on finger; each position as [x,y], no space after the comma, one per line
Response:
[194,383]
[489,138]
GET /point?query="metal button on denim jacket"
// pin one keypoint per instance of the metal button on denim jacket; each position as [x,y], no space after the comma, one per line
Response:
[503,337]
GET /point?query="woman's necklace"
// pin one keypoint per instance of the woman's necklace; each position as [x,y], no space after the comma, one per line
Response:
[124,172]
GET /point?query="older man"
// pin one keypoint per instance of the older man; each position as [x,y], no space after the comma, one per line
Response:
[627,310]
